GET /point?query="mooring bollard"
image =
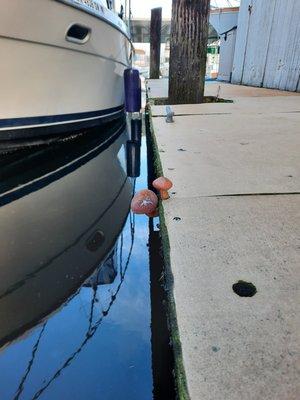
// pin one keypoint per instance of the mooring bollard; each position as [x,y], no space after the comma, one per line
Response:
[133,155]
[170,114]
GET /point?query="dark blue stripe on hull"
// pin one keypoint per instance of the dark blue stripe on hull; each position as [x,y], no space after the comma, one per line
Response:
[54,119]
[13,137]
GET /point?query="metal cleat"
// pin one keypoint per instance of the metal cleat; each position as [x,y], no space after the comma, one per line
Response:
[170,114]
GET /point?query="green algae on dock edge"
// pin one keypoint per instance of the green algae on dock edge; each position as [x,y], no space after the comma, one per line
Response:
[180,376]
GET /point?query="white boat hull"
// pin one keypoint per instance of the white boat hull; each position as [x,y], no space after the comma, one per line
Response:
[50,84]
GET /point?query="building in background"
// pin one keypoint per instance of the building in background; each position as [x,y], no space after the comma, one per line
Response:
[255,44]
[224,21]
[140,31]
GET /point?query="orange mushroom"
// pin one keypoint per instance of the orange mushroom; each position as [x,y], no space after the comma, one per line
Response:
[144,202]
[162,184]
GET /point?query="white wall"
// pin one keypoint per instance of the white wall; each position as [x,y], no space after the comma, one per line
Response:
[267,51]
[227,46]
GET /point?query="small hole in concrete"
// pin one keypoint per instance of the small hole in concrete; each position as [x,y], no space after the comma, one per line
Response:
[244,289]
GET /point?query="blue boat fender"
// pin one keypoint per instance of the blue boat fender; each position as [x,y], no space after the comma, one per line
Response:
[133,92]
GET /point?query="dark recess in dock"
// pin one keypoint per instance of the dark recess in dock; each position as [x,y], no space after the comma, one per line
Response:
[162,350]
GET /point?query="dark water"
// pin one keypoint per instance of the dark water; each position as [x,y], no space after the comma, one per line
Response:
[74,274]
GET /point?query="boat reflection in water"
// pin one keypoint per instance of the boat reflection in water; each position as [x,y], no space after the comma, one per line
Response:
[65,248]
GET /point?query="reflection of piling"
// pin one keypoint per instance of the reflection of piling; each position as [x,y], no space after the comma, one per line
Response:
[155,40]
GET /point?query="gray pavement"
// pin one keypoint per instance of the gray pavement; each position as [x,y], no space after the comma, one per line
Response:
[234,214]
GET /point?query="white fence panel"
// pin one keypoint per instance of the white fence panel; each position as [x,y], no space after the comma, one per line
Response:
[260,25]
[241,41]
[268,44]
[283,63]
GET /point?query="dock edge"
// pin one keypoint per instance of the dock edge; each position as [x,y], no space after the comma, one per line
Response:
[179,370]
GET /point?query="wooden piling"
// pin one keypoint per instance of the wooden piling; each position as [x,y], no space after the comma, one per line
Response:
[189,34]
[155,41]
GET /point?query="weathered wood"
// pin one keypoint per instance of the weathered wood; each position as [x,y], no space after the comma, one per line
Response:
[267,45]
[189,33]
[155,41]
[241,42]
[260,23]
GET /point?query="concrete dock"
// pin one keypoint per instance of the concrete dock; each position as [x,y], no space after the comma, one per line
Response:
[234,215]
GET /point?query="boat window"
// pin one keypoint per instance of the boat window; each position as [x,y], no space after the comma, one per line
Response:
[93,4]
[104,3]
[109,4]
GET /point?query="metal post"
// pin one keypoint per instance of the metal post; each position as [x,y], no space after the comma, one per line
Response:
[125,11]
[129,17]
